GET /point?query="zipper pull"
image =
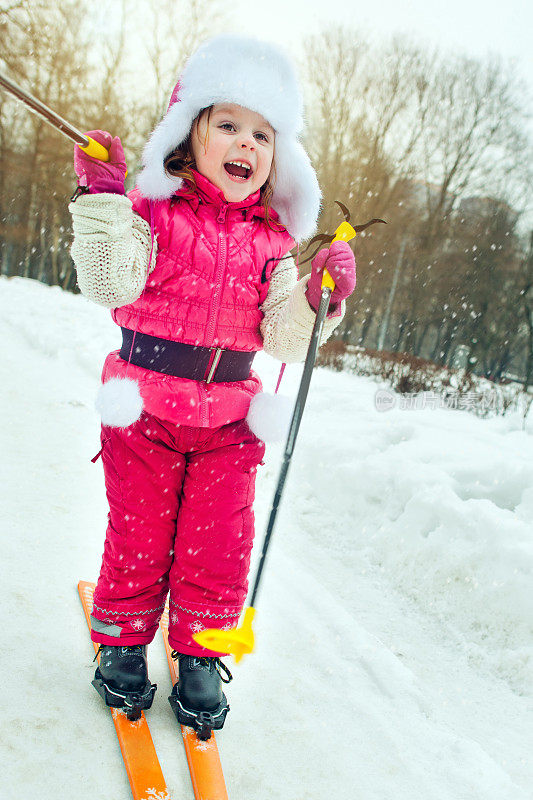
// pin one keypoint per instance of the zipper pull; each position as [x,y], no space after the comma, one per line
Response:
[222,213]
[99,453]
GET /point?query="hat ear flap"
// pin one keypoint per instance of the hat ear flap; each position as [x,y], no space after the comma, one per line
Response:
[296,195]
[156,184]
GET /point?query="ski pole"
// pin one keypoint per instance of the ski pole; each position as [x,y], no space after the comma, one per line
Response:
[88,145]
[241,640]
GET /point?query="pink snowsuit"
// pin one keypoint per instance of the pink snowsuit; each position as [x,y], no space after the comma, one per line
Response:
[180,482]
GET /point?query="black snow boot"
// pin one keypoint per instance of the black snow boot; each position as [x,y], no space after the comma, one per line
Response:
[197,698]
[121,678]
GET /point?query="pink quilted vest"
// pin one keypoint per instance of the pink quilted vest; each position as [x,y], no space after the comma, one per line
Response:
[205,289]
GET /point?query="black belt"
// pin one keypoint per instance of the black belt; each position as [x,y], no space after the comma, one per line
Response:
[185,360]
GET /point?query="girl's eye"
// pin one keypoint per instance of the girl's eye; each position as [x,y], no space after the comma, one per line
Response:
[265,137]
[229,124]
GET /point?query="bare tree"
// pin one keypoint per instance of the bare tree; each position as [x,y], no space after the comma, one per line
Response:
[406,134]
[526,295]
[46,46]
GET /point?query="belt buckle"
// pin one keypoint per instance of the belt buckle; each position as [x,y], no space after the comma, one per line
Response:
[215,359]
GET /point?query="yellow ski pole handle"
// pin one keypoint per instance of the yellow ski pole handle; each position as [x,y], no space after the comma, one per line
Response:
[94,149]
[344,233]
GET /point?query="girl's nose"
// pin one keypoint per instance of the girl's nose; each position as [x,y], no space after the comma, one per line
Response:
[247,141]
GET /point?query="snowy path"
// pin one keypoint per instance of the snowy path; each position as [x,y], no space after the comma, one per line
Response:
[394,624]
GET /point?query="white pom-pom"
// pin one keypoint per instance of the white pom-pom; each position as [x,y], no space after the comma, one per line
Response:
[269,416]
[119,402]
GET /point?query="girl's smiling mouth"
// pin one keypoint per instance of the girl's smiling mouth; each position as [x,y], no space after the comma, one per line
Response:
[239,171]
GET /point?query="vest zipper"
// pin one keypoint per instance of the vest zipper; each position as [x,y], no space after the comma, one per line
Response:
[221,266]
[215,307]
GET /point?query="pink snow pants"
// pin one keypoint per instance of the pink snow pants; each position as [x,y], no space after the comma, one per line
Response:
[180,519]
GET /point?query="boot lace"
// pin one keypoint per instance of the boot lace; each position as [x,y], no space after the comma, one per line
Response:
[207,662]
[135,648]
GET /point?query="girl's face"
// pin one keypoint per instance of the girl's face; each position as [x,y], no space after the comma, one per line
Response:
[234,133]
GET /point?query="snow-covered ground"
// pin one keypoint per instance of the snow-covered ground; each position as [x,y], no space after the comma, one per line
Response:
[394,641]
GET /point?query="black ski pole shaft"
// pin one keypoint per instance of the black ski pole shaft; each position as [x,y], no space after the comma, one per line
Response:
[293,429]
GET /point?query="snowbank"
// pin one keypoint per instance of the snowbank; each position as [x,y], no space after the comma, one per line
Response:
[394,636]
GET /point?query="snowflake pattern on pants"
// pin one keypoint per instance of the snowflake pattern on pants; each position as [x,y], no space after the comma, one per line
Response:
[197,626]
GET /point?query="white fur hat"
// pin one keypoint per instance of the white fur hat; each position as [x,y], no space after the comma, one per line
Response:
[258,76]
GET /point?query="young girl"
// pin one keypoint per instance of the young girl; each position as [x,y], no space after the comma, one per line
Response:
[193,263]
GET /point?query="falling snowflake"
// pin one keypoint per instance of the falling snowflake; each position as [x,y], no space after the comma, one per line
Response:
[138,624]
[196,627]
[174,618]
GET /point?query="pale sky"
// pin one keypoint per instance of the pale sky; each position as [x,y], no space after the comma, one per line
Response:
[475,27]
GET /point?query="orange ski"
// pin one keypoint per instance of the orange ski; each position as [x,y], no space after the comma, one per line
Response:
[138,751]
[202,756]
